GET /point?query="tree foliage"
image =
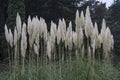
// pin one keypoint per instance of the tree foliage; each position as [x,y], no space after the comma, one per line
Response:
[52,9]
[55,9]
[114,13]
[14,7]
[113,19]
[3,17]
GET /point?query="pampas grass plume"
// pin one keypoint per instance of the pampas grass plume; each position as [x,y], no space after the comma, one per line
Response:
[18,24]
[23,40]
[15,36]
[77,19]
[49,49]
[82,20]
[11,37]
[88,23]
[6,33]
[36,49]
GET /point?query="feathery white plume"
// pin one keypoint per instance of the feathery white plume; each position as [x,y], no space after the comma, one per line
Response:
[15,36]
[103,29]
[74,38]
[77,20]
[59,32]
[53,31]
[69,36]
[82,20]
[31,31]
[29,25]
[7,34]
[11,37]
[18,25]
[36,49]
[23,40]
[63,30]
[88,23]
[37,32]
[109,39]
[96,30]
[44,30]
[79,37]
[49,49]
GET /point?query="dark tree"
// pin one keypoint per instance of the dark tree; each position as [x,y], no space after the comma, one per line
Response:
[3,13]
[3,17]
[114,23]
[114,11]
[52,9]
[14,7]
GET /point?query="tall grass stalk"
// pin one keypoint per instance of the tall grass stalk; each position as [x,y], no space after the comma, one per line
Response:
[10,64]
[23,66]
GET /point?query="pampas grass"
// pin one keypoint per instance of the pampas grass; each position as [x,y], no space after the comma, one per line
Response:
[60,50]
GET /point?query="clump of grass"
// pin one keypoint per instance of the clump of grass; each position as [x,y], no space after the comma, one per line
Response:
[65,71]
[61,54]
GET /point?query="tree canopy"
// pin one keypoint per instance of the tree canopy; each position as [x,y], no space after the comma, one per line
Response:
[55,9]
[14,7]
